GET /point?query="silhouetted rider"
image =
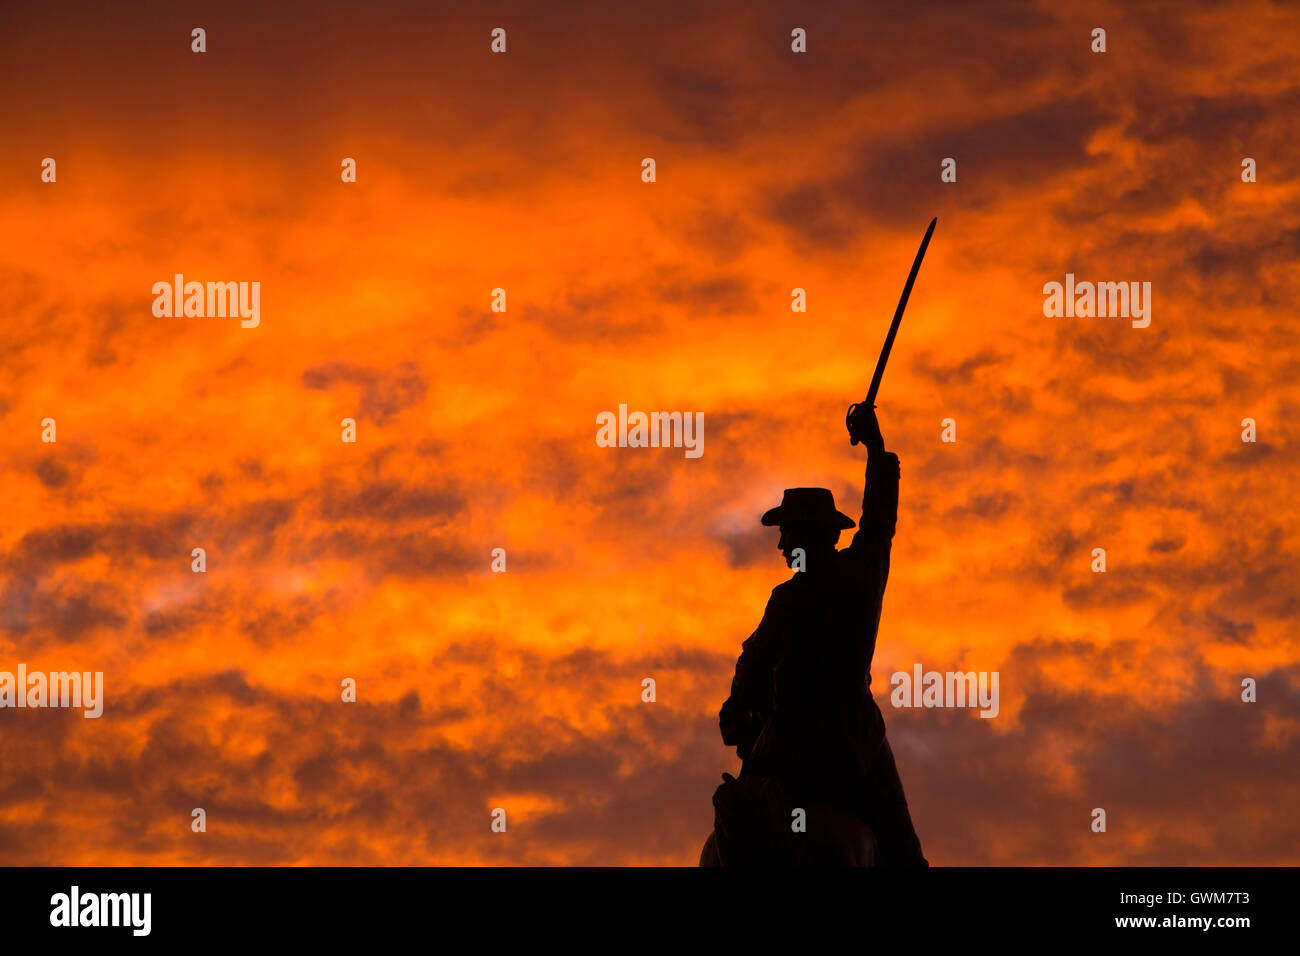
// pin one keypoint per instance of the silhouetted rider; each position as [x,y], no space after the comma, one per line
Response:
[801,710]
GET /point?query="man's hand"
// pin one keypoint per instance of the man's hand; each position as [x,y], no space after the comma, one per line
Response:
[864,426]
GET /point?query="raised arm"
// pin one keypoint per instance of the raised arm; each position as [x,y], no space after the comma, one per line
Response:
[880,495]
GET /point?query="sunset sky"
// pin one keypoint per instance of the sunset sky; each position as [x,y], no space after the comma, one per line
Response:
[476,430]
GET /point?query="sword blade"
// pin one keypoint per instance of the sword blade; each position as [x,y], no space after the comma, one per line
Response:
[898,316]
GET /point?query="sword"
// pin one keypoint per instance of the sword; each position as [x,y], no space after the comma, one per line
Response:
[870,400]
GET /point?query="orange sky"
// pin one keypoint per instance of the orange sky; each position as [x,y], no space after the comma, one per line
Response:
[476,430]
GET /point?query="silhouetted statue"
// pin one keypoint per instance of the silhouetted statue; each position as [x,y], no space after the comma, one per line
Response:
[801,715]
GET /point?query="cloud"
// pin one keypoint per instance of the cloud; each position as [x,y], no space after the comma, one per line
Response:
[476,429]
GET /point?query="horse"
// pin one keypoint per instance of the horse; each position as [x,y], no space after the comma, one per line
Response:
[756,823]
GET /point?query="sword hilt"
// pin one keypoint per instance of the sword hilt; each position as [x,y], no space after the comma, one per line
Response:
[848,421]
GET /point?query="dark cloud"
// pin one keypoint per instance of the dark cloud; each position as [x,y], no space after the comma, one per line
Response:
[52,472]
[364,761]
[382,394]
[724,295]
[389,501]
[753,546]
[1198,782]
[703,106]
[60,612]
[896,181]
[156,536]
[981,791]
[594,315]
[960,373]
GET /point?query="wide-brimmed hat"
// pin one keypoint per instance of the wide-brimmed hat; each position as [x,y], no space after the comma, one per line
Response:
[808,506]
